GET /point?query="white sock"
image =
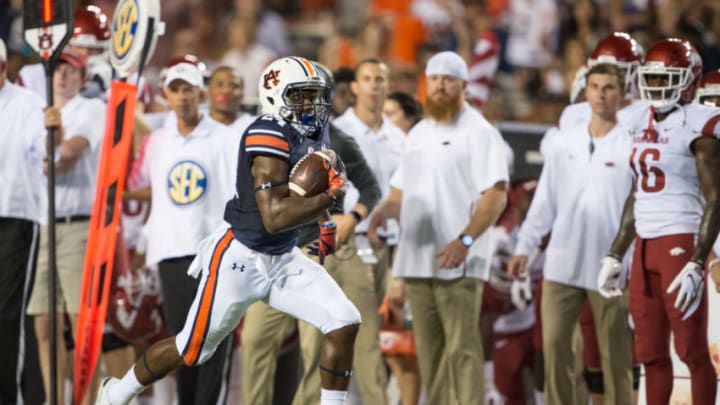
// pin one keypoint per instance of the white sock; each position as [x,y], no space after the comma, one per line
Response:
[332,397]
[124,390]
[539,397]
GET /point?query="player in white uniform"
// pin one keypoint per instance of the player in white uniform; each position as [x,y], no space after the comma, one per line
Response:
[675,160]
[708,93]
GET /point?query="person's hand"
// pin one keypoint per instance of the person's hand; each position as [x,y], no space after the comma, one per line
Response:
[521,293]
[516,267]
[396,290]
[326,244]
[610,278]
[691,283]
[53,119]
[346,224]
[378,219]
[715,274]
[452,255]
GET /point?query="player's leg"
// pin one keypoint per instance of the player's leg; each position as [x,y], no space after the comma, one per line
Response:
[263,331]
[690,335]
[223,297]
[510,355]
[652,328]
[308,389]
[614,340]
[561,306]
[308,293]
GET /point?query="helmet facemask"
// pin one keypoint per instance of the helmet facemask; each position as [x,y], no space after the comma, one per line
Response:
[668,84]
[306,106]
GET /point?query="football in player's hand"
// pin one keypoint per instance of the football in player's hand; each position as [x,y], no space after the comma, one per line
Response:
[309,176]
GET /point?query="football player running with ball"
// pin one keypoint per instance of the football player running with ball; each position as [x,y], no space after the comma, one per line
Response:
[256,258]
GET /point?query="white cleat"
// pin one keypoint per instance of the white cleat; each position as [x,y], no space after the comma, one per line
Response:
[102,396]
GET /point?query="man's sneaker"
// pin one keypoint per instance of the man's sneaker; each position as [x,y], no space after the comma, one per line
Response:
[102,396]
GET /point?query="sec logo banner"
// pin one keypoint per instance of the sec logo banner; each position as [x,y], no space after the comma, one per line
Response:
[132,23]
[124,28]
[187,182]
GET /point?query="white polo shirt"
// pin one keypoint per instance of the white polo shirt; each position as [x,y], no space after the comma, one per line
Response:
[443,173]
[191,178]
[580,196]
[75,188]
[22,147]
[382,150]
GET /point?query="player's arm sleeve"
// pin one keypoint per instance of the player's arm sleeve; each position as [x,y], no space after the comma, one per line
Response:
[260,141]
[358,171]
[541,214]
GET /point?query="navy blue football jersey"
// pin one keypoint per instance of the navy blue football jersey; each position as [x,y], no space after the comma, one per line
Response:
[274,137]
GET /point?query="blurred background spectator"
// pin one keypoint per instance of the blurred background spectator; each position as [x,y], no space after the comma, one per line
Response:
[523,53]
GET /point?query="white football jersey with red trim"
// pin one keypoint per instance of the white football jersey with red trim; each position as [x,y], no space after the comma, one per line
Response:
[668,198]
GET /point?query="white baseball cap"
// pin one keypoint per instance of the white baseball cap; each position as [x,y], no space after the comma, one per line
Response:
[186,72]
[3,51]
[447,63]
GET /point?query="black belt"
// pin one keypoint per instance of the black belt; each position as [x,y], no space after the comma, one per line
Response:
[72,218]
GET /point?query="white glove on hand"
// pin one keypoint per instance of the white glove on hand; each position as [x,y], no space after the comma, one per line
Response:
[691,281]
[521,292]
[610,277]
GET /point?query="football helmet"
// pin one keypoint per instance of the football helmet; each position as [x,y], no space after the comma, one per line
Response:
[622,50]
[709,87]
[92,31]
[670,74]
[293,89]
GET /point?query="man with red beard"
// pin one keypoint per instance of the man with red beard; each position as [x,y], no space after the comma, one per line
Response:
[451,185]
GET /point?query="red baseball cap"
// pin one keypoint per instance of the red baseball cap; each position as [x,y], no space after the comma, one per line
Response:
[73,58]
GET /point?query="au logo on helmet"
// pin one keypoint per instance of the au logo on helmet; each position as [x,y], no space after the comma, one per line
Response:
[273,77]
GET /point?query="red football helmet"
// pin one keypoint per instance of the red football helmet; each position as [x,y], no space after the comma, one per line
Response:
[709,87]
[670,74]
[91,29]
[622,50]
[134,308]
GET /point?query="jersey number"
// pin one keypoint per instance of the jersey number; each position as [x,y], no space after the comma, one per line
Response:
[647,157]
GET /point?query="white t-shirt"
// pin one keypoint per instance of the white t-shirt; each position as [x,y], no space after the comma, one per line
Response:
[382,150]
[443,173]
[22,148]
[580,196]
[75,188]
[668,199]
[192,177]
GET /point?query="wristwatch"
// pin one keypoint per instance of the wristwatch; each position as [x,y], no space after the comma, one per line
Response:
[466,240]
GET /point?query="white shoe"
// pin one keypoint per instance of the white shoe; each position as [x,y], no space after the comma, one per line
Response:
[102,396]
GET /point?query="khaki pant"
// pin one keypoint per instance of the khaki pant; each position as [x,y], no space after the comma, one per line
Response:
[561,306]
[70,243]
[264,328]
[445,323]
